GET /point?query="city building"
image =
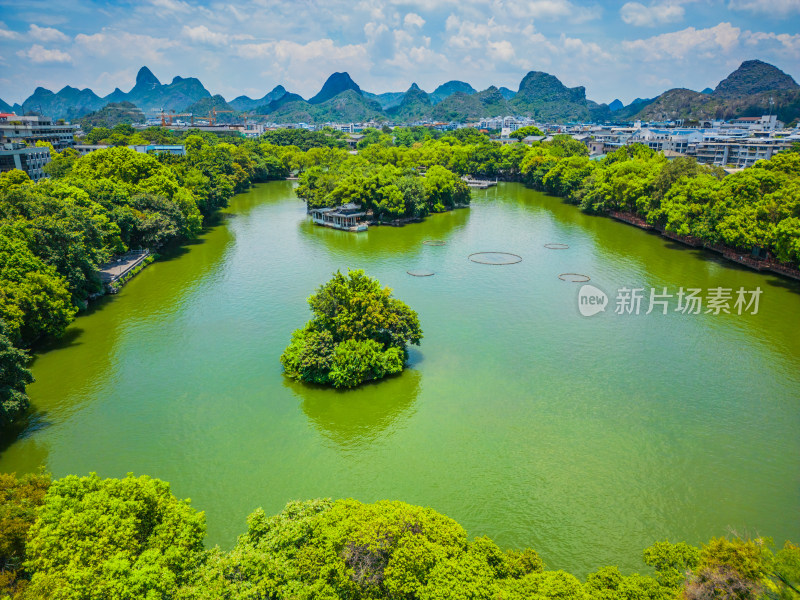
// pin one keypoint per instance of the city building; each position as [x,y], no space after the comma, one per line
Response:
[178,150]
[30,160]
[738,153]
[19,129]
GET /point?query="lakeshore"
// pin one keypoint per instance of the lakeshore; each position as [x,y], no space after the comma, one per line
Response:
[541,403]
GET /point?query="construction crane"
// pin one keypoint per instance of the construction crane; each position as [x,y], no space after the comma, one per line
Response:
[213,116]
[191,115]
[165,118]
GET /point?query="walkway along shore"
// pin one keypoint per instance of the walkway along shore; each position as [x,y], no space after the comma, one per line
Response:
[115,273]
[766,264]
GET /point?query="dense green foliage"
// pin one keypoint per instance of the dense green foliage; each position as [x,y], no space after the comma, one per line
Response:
[13,379]
[113,114]
[89,538]
[388,191]
[20,499]
[304,139]
[755,207]
[358,333]
[112,539]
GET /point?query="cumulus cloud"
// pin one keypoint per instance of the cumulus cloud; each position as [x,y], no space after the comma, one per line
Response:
[46,34]
[39,54]
[413,20]
[705,43]
[297,64]
[125,44]
[788,43]
[639,15]
[7,34]
[171,6]
[766,7]
[546,10]
[203,35]
[501,50]
[585,50]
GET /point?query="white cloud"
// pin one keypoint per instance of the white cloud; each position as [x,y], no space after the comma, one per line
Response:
[502,50]
[46,34]
[204,35]
[7,34]
[766,7]
[635,13]
[124,44]
[788,43]
[585,50]
[171,6]
[689,42]
[300,66]
[545,9]
[39,54]
[413,20]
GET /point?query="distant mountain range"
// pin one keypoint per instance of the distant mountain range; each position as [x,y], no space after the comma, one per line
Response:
[753,89]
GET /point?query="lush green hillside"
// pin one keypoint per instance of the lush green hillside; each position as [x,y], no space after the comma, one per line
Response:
[245,103]
[203,107]
[334,85]
[113,114]
[448,89]
[470,107]
[68,103]
[386,100]
[745,92]
[415,106]
[348,106]
[544,97]
[754,89]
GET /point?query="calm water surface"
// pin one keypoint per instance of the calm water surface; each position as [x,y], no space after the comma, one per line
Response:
[584,438]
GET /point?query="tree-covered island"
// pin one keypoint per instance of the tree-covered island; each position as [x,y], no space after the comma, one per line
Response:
[387,191]
[358,333]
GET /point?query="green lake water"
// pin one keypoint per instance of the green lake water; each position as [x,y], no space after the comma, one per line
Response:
[584,438]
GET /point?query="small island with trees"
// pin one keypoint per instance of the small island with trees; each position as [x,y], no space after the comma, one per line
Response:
[359,333]
[387,193]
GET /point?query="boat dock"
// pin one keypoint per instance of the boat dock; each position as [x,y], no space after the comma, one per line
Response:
[479,184]
[347,217]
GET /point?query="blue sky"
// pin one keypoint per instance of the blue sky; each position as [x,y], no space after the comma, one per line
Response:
[615,49]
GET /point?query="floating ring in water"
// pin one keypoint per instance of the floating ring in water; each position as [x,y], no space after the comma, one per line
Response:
[495,258]
[434,242]
[574,277]
[557,246]
[420,273]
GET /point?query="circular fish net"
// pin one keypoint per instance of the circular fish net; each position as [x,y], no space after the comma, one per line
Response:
[434,242]
[557,246]
[420,273]
[495,258]
[574,277]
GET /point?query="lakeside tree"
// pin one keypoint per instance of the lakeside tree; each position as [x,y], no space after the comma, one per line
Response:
[359,333]
[20,499]
[115,539]
[86,538]
[14,376]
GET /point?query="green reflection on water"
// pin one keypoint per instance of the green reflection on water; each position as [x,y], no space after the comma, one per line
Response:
[587,439]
